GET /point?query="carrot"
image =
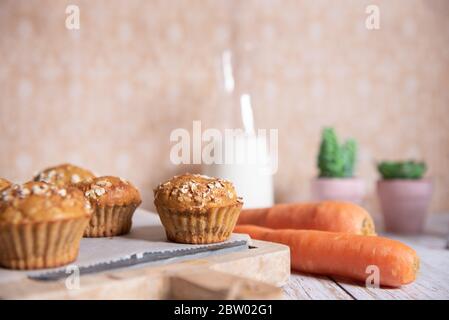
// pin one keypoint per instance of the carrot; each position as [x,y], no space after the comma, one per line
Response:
[343,254]
[334,216]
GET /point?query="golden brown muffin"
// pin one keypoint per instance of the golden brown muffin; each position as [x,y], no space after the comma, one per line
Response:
[4,183]
[114,201]
[41,225]
[64,175]
[197,209]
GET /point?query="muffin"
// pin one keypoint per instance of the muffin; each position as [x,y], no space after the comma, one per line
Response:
[4,183]
[197,209]
[41,225]
[114,201]
[63,175]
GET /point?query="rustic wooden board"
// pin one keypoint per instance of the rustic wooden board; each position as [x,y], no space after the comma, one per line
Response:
[266,262]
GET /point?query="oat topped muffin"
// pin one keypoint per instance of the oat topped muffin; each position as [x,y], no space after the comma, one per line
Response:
[193,192]
[41,225]
[40,201]
[4,183]
[197,209]
[63,175]
[114,201]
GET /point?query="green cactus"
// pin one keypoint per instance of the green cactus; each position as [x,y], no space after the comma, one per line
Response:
[401,169]
[349,152]
[335,161]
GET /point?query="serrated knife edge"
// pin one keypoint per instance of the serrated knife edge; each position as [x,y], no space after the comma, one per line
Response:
[134,259]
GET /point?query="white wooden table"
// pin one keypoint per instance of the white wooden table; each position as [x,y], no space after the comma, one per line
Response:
[432,281]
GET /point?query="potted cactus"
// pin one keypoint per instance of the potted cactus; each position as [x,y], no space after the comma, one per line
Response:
[404,195]
[336,164]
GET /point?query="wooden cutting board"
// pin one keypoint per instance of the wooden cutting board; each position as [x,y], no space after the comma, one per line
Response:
[254,272]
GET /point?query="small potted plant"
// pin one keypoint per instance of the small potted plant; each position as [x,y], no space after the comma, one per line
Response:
[336,164]
[404,195]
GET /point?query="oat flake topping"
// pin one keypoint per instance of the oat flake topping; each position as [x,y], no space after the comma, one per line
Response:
[22,191]
[195,190]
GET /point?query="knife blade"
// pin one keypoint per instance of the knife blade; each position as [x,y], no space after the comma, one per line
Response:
[136,259]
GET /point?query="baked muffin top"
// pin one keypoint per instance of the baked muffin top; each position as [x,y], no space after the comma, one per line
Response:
[110,191]
[63,175]
[4,183]
[193,192]
[41,202]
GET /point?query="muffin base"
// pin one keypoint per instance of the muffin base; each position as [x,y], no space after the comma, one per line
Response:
[110,221]
[214,225]
[41,245]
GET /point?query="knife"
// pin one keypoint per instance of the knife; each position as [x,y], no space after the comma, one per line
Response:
[138,258]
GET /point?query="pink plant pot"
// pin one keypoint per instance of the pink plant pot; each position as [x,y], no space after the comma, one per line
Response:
[345,189]
[404,204]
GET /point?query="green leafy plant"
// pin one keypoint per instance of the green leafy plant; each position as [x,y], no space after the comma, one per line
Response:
[335,160]
[401,169]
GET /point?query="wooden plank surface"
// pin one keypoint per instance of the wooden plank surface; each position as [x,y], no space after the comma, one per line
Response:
[432,281]
[308,287]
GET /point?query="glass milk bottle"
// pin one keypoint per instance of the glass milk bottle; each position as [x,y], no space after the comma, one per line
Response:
[243,158]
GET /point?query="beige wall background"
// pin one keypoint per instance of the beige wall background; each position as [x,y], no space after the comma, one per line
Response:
[108,95]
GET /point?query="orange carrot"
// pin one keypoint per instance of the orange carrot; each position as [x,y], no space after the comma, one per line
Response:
[334,216]
[343,254]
